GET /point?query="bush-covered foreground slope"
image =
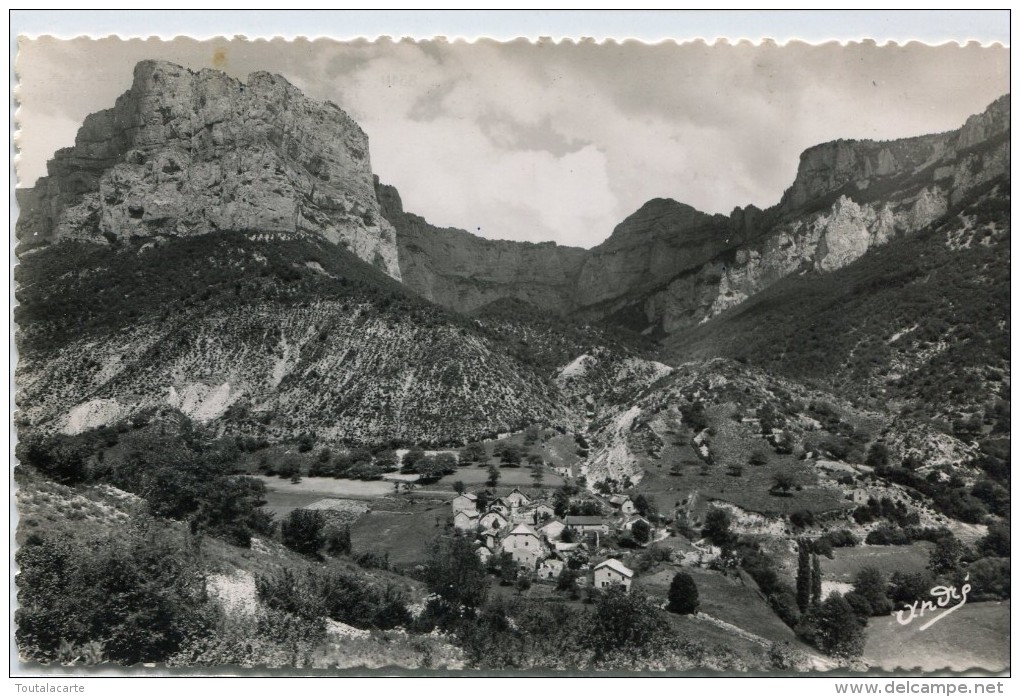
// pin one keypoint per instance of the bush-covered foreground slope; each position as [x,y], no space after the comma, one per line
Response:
[131,557]
[274,338]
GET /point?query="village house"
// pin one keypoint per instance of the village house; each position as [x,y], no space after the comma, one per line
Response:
[565,548]
[464,502]
[544,511]
[502,507]
[587,523]
[552,530]
[622,503]
[628,523]
[493,520]
[490,538]
[465,520]
[484,553]
[550,569]
[612,572]
[516,498]
[524,545]
[522,515]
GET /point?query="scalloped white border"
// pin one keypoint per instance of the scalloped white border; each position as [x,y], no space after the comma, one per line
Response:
[813,26]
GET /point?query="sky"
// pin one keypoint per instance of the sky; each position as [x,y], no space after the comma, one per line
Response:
[555,141]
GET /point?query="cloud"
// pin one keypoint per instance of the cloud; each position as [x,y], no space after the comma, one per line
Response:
[558,141]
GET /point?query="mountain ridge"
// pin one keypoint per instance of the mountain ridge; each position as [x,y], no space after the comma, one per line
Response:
[668,266]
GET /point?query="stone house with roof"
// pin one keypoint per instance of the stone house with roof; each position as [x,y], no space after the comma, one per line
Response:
[612,572]
[465,520]
[493,520]
[524,545]
[464,502]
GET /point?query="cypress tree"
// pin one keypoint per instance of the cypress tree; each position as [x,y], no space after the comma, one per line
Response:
[816,580]
[803,576]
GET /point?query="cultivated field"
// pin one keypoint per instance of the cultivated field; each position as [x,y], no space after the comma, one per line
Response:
[560,451]
[474,476]
[283,496]
[735,601]
[401,529]
[887,559]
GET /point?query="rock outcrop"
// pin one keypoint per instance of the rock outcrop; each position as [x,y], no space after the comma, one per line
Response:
[465,272]
[650,247]
[185,153]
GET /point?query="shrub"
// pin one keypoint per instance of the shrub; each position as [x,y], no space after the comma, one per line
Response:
[905,588]
[945,556]
[997,542]
[802,518]
[683,595]
[623,622]
[989,579]
[140,595]
[641,531]
[454,572]
[302,531]
[567,583]
[878,455]
[840,538]
[871,585]
[717,527]
[338,540]
[886,534]
[833,628]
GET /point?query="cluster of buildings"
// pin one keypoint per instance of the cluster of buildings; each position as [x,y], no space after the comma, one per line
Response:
[530,532]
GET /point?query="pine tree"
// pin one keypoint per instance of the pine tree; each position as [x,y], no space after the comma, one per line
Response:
[803,576]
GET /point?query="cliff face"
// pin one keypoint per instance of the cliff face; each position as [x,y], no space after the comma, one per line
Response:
[184,153]
[848,197]
[651,246]
[669,266]
[462,271]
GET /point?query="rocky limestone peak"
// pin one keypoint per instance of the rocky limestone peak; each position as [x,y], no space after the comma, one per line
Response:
[389,199]
[853,166]
[992,122]
[185,152]
[659,216]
